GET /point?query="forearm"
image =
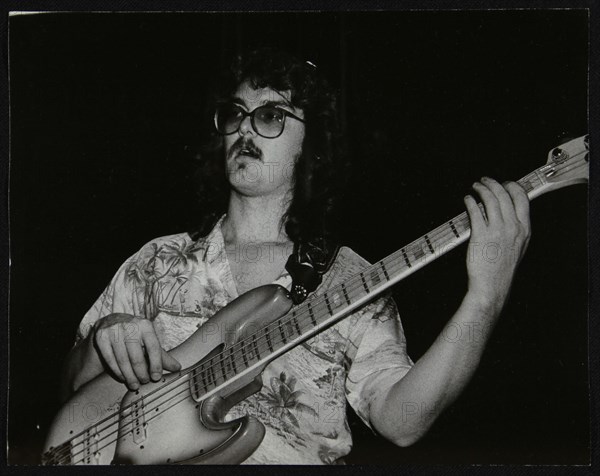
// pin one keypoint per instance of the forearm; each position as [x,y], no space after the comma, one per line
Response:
[413,403]
[81,365]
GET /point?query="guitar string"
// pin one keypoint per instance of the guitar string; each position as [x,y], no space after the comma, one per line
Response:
[211,364]
[297,315]
[254,336]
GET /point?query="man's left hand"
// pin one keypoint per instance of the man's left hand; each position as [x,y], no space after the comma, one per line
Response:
[499,237]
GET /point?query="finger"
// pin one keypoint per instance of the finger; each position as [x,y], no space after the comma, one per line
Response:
[169,362]
[490,202]
[123,360]
[105,350]
[507,209]
[137,359]
[154,353]
[475,213]
[521,202]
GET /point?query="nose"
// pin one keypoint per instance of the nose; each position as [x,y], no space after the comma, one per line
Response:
[246,126]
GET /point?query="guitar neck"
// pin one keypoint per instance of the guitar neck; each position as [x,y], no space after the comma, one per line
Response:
[567,165]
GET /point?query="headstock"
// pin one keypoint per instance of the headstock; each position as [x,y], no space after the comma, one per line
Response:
[567,164]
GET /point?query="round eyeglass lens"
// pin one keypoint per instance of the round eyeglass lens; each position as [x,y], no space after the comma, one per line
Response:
[269,121]
[228,118]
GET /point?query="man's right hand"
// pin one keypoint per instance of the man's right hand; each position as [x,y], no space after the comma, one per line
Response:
[128,345]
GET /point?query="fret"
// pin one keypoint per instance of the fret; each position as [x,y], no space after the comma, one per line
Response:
[527,185]
[328,304]
[226,362]
[311,313]
[346,294]
[385,273]
[203,376]
[296,323]
[223,371]
[255,345]
[429,244]
[375,278]
[418,252]
[211,376]
[268,337]
[290,327]
[232,360]
[244,355]
[406,258]
[334,301]
[362,277]
[464,224]
[319,308]
[451,223]
[281,331]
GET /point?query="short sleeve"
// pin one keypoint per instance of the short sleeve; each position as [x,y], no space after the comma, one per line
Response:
[133,288]
[377,355]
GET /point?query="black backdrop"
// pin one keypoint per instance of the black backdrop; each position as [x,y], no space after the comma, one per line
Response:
[104,105]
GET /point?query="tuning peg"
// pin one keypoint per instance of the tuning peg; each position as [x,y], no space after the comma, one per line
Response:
[559,155]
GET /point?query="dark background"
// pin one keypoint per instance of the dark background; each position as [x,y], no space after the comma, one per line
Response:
[103,107]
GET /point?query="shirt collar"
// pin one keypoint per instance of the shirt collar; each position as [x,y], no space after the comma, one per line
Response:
[212,246]
[214,253]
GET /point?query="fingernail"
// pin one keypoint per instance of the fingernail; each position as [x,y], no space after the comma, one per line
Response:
[484,179]
[156,376]
[135,386]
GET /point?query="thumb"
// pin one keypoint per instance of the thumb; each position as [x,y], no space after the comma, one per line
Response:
[170,363]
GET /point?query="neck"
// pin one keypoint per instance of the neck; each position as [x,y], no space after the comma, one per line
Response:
[255,219]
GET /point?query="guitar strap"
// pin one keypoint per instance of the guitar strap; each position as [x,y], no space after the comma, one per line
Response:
[307,264]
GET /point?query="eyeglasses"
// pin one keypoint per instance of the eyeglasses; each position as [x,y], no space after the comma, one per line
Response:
[267,121]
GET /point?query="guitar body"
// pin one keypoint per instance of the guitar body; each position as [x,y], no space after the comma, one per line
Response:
[104,423]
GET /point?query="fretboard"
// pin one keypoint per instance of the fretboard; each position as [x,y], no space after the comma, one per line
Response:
[567,164]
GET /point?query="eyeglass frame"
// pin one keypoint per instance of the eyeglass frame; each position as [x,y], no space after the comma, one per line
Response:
[252,115]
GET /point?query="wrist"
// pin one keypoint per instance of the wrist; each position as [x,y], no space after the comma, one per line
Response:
[484,302]
[90,361]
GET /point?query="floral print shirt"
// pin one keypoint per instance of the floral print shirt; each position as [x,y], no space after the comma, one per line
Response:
[179,284]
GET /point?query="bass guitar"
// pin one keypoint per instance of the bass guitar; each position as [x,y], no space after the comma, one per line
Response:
[180,418]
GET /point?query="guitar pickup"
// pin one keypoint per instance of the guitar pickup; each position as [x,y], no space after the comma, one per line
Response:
[138,421]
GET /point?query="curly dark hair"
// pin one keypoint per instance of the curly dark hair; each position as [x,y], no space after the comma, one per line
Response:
[319,172]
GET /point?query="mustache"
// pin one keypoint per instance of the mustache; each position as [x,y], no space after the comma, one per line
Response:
[243,143]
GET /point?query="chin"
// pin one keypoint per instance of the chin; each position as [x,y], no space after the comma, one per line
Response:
[242,183]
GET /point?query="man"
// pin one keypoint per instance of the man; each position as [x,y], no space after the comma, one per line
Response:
[266,186]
